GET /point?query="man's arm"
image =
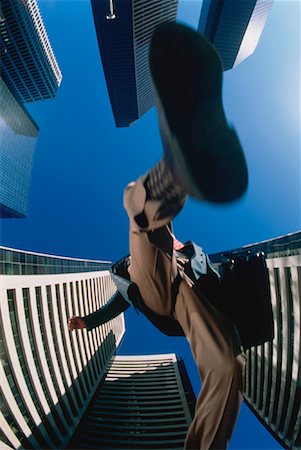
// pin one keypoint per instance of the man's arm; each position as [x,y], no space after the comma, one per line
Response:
[109,311]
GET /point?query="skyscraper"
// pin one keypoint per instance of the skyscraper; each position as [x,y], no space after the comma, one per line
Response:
[234,27]
[28,65]
[49,375]
[29,72]
[145,402]
[273,372]
[124,29]
[18,137]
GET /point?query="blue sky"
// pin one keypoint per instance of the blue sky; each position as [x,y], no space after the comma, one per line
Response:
[82,162]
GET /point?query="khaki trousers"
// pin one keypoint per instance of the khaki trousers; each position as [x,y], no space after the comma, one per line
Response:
[213,345]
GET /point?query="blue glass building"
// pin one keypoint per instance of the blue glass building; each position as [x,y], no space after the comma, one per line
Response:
[18,136]
[29,72]
[124,29]
[28,65]
[234,27]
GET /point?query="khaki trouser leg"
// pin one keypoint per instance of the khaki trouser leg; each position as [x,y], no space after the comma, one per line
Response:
[153,268]
[153,265]
[218,404]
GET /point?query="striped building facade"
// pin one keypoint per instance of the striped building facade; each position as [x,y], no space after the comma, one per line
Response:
[49,375]
[273,372]
[145,402]
[124,29]
[234,27]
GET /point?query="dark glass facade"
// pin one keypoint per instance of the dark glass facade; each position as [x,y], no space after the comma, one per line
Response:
[28,65]
[124,31]
[17,262]
[18,140]
[233,27]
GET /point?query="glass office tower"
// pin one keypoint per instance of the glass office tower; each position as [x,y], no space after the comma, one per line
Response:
[234,27]
[29,72]
[18,137]
[124,29]
[49,375]
[28,64]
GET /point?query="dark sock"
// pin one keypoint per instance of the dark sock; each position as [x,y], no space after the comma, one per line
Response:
[160,184]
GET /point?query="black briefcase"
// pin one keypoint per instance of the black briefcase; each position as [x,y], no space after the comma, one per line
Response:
[246,299]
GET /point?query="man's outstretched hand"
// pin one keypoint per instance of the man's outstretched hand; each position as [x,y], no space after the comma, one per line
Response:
[76,323]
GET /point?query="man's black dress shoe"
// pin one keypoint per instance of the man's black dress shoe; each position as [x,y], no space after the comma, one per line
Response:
[202,151]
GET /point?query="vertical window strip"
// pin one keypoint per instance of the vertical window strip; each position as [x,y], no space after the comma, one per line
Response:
[11,297]
[65,334]
[88,310]
[93,332]
[287,399]
[38,293]
[55,343]
[261,375]
[57,406]
[268,361]
[73,353]
[95,360]
[73,386]
[274,346]
[279,347]
[295,418]
[83,335]
[109,332]
[77,339]
[68,394]
[109,325]
[29,326]
[285,377]
[4,407]
[5,440]
[88,335]
[61,403]
[99,338]
[98,300]
[74,347]
[16,393]
[102,346]
[103,329]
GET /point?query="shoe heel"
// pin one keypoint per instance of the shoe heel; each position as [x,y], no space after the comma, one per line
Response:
[223,176]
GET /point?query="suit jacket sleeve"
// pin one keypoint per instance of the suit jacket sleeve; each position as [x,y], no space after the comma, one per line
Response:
[109,311]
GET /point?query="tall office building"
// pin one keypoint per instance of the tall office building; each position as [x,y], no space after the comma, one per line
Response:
[18,136]
[124,29]
[234,27]
[28,65]
[145,402]
[29,72]
[49,375]
[273,373]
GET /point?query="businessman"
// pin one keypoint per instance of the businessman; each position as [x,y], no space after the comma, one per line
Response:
[174,284]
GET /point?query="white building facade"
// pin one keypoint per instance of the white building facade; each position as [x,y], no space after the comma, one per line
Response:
[48,374]
[145,402]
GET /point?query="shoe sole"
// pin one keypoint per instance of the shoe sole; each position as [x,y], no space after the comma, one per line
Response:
[187,77]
